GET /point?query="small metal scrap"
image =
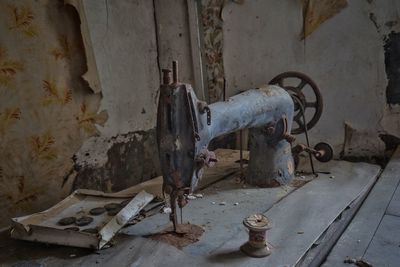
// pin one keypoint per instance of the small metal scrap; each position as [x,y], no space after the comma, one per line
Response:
[114,212]
[66,221]
[91,231]
[166,210]
[112,206]
[85,220]
[97,211]
[75,229]
[357,262]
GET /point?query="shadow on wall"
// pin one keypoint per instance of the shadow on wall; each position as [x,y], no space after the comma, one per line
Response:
[392,64]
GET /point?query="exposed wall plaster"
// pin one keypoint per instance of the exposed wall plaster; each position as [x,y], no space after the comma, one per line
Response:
[126,51]
[93,153]
[113,164]
[123,41]
[345,57]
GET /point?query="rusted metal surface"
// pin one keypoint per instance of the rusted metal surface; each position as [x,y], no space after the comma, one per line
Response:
[184,235]
[323,152]
[185,126]
[301,103]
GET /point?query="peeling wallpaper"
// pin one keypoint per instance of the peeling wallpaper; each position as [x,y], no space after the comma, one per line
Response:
[344,55]
[46,110]
[211,19]
[123,42]
[122,38]
[315,12]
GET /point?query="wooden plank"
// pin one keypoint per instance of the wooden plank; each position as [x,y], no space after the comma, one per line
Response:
[225,166]
[320,249]
[384,249]
[358,235]
[221,222]
[394,206]
[300,218]
[129,251]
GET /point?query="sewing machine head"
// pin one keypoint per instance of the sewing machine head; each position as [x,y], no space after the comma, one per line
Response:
[186,125]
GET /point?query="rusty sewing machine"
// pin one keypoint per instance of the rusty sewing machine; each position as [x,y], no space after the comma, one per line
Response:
[186,125]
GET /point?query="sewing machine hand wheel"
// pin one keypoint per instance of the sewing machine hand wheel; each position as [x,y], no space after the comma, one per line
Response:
[324,152]
[301,103]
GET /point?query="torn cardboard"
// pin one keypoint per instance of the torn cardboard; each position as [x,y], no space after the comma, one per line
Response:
[44,227]
[359,143]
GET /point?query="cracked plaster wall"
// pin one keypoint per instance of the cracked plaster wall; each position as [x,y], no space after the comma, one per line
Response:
[122,38]
[131,41]
[344,55]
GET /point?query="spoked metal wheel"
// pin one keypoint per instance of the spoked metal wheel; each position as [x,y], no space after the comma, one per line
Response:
[301,103]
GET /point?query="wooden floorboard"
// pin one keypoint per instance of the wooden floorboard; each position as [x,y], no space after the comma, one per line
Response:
[300,218]
[394,205]
[321,248]
[130,251]
[357,237]
[221,222]
[384,249]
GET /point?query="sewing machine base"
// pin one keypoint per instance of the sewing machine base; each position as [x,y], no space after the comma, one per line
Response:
[269,163]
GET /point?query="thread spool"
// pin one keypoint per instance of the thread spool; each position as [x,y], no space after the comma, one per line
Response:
[257,246]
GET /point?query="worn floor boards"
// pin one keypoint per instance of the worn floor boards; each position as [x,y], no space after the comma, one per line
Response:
[394,205]
[298,220]
[131,251]
[301,217]
[355,240]
[221,222]
[384,249]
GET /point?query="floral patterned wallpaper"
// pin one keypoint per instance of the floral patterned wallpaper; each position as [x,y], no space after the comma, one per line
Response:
[213,46]
[46,108]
